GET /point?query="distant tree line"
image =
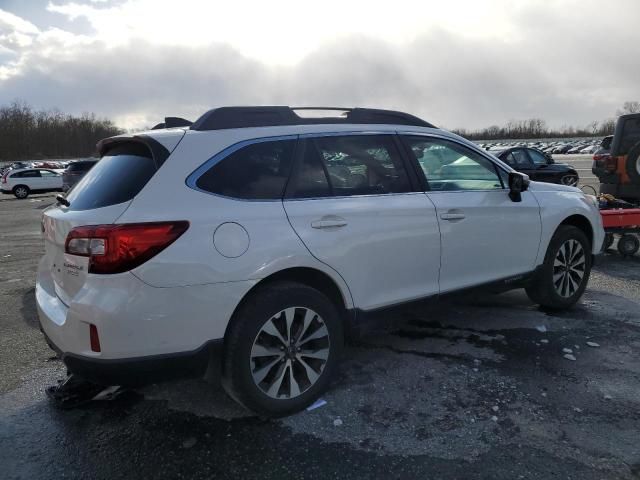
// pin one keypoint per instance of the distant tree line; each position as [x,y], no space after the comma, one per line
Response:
[29,134]
[537,128]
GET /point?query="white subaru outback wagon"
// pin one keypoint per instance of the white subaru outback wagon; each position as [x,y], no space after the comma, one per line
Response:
[252,240]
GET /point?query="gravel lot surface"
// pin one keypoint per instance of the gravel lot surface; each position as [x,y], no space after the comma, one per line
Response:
[477,387]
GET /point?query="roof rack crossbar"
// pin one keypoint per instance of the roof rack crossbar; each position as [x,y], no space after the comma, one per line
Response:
[243,117]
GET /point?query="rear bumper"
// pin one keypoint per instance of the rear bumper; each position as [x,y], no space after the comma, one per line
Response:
[146,334]
[143,370]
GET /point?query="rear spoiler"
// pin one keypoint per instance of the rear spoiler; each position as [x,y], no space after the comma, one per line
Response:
[172,122]
[158,151]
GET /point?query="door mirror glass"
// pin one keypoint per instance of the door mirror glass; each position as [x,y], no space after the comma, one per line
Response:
[518,183]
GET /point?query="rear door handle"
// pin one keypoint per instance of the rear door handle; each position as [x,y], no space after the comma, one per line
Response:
[452,216]
[329,223]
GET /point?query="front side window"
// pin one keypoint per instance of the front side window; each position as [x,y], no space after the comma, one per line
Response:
[350,165]
[449,166]
[256,172]
[48,173]
[537,157]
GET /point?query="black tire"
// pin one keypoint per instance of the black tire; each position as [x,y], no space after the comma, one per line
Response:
[263,306]
[628,245]
[633,164]
[543,290]
[608,241]
[21,191]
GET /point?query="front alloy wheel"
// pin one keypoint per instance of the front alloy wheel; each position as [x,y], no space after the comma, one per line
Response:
[561,280]
[290,352]
[21,192]
[570,180]
[569,268]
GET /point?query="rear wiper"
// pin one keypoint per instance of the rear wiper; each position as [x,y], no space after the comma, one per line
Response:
[63,200]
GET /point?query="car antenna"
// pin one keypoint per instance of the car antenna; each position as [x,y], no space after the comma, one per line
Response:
[63,200]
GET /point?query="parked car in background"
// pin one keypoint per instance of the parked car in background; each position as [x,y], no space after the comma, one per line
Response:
[618,167]
[250,243]
[25,181]
[75,171]
[538,165]
[601,157]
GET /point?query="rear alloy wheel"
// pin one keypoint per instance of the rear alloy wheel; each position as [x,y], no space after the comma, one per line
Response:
[570,180]
[282,348]
[563,277]
[289,353]
[21,191]
[628,245]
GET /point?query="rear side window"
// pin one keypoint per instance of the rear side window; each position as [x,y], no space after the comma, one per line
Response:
[256,172]
[27,174]
[118,177]
[350,165]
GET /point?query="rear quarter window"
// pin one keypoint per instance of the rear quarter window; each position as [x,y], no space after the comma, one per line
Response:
[118,177]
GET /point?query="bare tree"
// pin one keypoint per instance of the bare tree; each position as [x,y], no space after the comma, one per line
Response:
[629,107]
[29,134]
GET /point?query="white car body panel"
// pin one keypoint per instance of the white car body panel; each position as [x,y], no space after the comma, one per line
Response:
[388,252]
[496,239]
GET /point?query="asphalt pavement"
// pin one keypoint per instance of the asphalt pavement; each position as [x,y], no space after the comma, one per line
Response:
[477,387]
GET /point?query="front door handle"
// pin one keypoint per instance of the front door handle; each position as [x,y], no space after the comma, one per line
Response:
[329,222]
[452,216]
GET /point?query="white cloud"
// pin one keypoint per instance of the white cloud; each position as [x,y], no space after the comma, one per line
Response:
[12,23]
[458,64]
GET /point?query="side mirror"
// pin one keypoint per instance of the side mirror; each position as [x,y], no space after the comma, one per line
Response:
[518,183]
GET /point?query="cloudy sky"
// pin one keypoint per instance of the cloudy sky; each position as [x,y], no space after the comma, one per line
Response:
[456,63]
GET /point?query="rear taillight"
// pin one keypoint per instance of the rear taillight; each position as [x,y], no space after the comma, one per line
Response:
[610,163]
[119,248]
[4,178]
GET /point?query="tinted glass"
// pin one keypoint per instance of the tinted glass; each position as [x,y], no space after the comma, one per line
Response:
[255,172]
[48,173]
[449,166]
[80,166]
[310,179]
[518,159]
[537,157]
[361,164]
[27,174]
[117,178]
[630,135]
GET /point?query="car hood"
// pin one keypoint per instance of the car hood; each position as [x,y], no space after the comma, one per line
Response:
[551,187]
